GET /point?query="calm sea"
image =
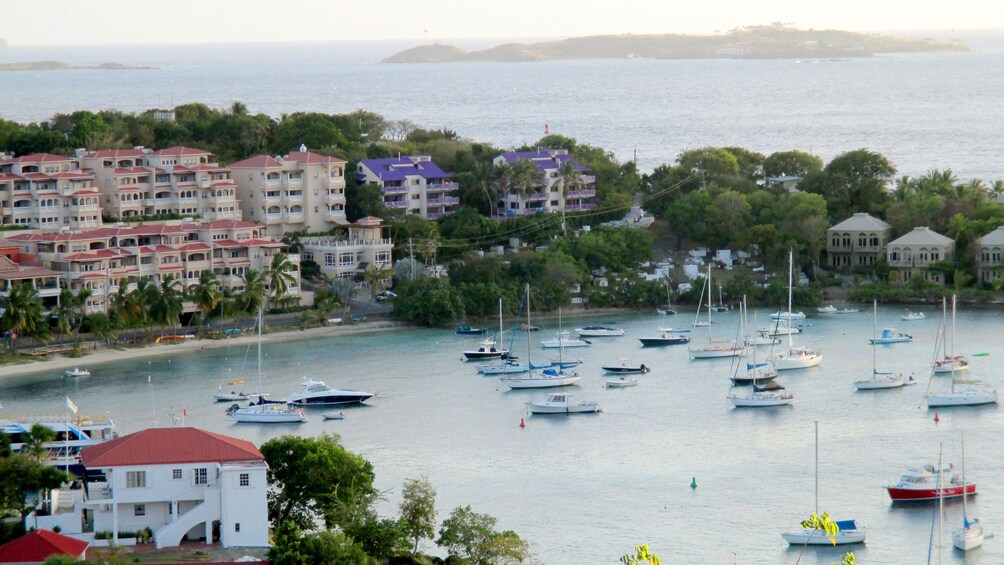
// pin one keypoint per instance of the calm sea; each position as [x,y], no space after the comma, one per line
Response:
[921,111]
[587,488]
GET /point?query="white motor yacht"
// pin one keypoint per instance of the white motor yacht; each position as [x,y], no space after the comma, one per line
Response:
[561,403]
[316,393]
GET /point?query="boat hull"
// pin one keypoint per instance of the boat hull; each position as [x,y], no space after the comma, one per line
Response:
[620,370]
[565,344]
[815,537]
[969,537]
[348,397]
[788,363]
[878,383]
[759,402]
[610,332]
[503,369]
[485,355]
[715,352]
[962,398]
[622,383]
[546,408]
[537,381]
[917,495]
[662,341]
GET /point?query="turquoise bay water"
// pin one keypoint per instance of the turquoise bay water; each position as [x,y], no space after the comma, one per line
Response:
[587,488]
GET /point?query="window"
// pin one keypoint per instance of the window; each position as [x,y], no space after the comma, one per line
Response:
[139,510]
[202,476]
[135,479]
[237,526]
[245,479]
[176,474]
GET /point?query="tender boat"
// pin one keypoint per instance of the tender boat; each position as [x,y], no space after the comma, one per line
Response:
[831,309]
[76,372]
[771,394]
[561,403]
[781,315]
[849,533]
[564,340]
[847,311]
[470,330]
[665,338]
[949,364]
[890,335]
[913,316]
[921,483]
[605,330]
[232,395]
[625,369]
[316,393]
[333,416]
[487,350]
[622,382]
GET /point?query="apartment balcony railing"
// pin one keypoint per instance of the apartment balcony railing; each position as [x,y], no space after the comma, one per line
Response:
[330,183]
[587,179]
[440,187]
[579,207]
[585,193]
[395,189]
[396,204]
[444,201]
[537,196]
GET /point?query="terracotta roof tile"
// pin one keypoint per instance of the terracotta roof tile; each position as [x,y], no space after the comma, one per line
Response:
[37,546]
[162,446]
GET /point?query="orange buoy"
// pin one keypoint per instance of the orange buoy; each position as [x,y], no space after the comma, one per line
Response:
[522,423]
[936,418]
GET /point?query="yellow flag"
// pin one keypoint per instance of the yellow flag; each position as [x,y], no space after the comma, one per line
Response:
[71,405]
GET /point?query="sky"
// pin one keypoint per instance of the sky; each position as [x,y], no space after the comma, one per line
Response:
[61,22]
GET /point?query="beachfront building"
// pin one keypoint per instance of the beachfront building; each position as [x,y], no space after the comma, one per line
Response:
[367,244]
[913,254]
[47,191]
[103,260]
[301,192]
[990,257]
[178,180]
[181,483]
[413,183]
[857,242]
[558,183]
[21,268]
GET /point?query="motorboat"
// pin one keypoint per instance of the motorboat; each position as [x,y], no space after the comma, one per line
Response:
[847,311]
[782,315]
[848,531]
[564,340]
[950,364]
[664,338]
[543,378]
[509,367]
[921,483]
[76,372]
[232,395]
[913,316]
[622,382]
[605,330]
[890,335]
[469,330]
[831,309]
[768,395]
[665,311]
[625,369]
[333,416]
[70,436]
[316,393]
[561,403]
[675,330]
[486,350]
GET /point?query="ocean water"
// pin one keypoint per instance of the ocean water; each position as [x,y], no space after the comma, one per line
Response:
[587,488]
[921,111]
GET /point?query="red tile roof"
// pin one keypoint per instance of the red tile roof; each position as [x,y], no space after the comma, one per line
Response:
[229,224]
[163,446]
[179,150]
[311,158]
[115,153]
[38,546]
[39,158]
[257,162]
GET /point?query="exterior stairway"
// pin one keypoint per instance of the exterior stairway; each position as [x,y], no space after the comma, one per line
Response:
[208,510]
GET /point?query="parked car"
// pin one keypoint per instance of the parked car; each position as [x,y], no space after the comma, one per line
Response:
[385,295]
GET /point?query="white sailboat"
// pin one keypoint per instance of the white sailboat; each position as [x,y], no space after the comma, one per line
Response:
[540,378]
[964,392]
[715,348]
[263,411]
[949,363]
[796,357]
[668,309]
[508,365]
[970,535]
[848,531]
[880,379]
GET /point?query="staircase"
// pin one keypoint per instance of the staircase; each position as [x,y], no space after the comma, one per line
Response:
[170,535]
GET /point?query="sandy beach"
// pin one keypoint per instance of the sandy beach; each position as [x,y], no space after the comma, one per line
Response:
[104,354]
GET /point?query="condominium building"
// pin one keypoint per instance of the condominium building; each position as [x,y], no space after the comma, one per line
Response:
[858,241]
[47,191]
[104,259]
[347,257]
[413,183]
[560,183]
[990,257]
[913,254]
[21,268]
[302,191]
[176,180]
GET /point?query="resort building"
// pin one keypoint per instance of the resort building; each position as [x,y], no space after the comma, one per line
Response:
[856,242]
[20,268]
[913,254]
[103,260]
[181,483]
[990,257]
[367,244]
[559,183]
[177,180]
[47,191]
[413,183]
[302,191]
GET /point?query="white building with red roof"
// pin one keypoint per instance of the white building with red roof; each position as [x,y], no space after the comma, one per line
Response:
[302,191]
[182,483]
[47,191]
[176,180]
[39,545]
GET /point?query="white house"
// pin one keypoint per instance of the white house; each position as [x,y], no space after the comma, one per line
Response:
[182,483]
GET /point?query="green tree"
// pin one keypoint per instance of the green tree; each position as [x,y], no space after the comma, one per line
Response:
[854,181]
[253,292]
[418,510]
[280,277]
[296,547]
[473,538]
[641,556]
[828,528]
[168,304]
[206,293]
[427,301]
[22,311]
[792,163]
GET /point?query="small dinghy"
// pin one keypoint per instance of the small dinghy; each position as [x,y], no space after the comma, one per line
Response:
[622,382]
[333,416]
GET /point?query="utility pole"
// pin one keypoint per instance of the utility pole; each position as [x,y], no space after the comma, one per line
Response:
[411,257]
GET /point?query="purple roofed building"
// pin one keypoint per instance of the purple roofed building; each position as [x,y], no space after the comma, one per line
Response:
[413,183]
[548,192]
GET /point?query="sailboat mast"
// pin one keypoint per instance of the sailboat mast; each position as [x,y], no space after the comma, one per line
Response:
[791,267]
[259,351]
[874,336]
[528,363]
[965,515]
[951,352]
[941,495]
[709,301]
[500,322]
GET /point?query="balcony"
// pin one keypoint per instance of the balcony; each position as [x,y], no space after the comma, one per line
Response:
[294,197]
[587,179]
[395,190]
[579,207]
[334,198]
[441,187]
[277,199]
[396,204]
[536,197]
[585,193]
[333,183]
[444,201]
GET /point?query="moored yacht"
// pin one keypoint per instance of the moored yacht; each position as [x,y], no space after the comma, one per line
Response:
[317,393]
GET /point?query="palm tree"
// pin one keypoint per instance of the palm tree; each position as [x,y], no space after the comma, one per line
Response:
[168,307]
[482,185]
[524,176]
[324,305]
[279,277]
[375,276]
[139,304]
[570,177]
[250,299]
[430,246]
[64,313]
[23,312]
[34,443]
[206,293]
[504,177]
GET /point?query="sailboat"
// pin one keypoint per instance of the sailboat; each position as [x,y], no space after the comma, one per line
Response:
[970,535]
[949,363]
[715,347]
[540,378]
[800,357]
[964,392]
[508,364]
[848,531]
[880,379]
[668,309]
[756,373]
[264,411]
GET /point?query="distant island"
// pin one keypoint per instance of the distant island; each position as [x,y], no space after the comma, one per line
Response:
[754,42]
[60,66]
